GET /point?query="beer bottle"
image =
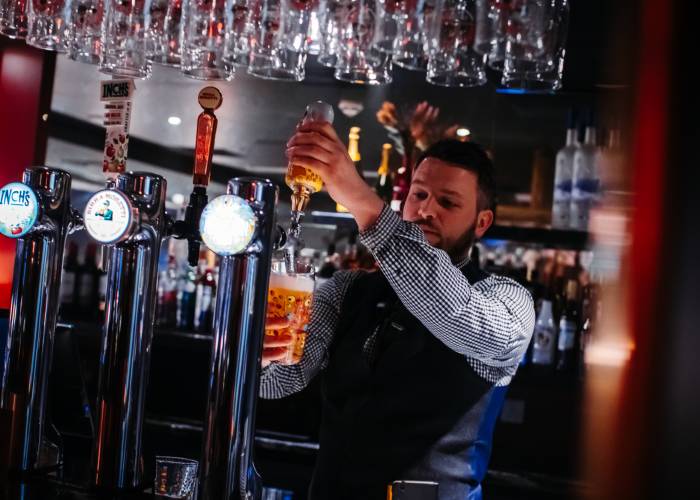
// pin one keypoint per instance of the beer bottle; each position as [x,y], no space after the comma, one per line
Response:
[69,291]
[383,186]
[355,156]
[206,291]
[568,329]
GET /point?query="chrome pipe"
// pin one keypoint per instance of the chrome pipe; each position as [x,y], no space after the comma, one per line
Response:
[128,330]
[226,469]
[33,313]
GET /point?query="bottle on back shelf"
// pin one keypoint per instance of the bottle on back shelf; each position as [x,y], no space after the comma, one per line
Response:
[568,328]
[186,297]
[564,166]
[350,257]
[383,186]
[355,156]
[102,280]
[90,283]
[330,264]
[402,184]
[167,292]
[206,292]
[68,292]
[585,181]
[544,336]
[590,317]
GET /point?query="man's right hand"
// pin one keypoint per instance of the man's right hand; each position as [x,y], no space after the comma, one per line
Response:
[275,347]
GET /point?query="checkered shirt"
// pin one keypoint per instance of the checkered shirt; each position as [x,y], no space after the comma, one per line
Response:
[490,323]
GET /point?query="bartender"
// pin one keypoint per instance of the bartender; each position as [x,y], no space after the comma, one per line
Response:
[415,357]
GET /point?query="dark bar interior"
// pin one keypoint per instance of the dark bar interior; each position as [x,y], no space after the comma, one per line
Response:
[223,277]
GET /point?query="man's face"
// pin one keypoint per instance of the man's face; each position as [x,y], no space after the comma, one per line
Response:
[443,203]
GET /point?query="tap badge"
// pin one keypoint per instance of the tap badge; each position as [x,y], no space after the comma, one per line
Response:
[19,209]
[108,216]
[227,225]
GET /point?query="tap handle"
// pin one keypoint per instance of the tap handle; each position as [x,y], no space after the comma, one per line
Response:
[209,99]
[193,212]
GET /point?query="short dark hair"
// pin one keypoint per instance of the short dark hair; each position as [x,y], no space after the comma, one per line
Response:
[469,156]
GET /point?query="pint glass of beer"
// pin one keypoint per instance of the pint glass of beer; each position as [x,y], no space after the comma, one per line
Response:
[289,296]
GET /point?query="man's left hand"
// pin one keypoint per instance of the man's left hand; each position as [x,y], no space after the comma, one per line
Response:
[316,146]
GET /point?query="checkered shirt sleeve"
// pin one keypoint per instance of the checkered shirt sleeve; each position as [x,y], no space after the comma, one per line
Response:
[490,323]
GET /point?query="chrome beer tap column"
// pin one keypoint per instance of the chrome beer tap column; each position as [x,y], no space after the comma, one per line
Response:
[38,214]
[130,218]
[239,226]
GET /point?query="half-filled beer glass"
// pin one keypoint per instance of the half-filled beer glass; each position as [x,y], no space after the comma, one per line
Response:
[289,297]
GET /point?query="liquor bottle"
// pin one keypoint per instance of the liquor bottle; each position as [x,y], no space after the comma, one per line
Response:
[544,336]
[89,283]
[206,291]
[355,156]
[186,296]
[303,181]
[69,292]
[402,184]
[167,294]
[610,165]
[564,166]
[102,289]
[590,315]
[585,181]
[383,186]
[568,328]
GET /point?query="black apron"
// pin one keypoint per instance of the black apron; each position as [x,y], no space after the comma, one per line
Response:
[415,411]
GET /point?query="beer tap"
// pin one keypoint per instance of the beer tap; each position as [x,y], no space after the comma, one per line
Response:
[37,213]
[303,181]
[210,100]
[239,226]
[129,217]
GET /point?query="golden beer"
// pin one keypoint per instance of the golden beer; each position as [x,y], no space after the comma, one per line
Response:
[303,183]
[290,297]
[301,179]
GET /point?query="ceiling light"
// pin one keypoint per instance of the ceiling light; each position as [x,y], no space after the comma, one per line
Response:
[174,120]
[463,132]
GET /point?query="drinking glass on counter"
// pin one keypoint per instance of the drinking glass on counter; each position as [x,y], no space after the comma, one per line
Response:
[289,298]
[176,478]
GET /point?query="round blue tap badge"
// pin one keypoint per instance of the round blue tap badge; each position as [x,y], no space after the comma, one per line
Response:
[19,209]
[108,216]
[227,225]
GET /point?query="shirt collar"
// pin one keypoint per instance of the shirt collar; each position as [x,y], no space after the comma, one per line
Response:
[460,264]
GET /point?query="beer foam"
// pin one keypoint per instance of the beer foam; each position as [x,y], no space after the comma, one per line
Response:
[297,283]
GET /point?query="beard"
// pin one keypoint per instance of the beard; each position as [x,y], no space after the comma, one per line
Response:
[461,248]
[457,250]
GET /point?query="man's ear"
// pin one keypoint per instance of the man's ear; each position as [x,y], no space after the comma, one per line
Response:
[484,219]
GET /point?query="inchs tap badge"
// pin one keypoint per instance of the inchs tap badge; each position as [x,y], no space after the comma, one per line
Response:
[19,209]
